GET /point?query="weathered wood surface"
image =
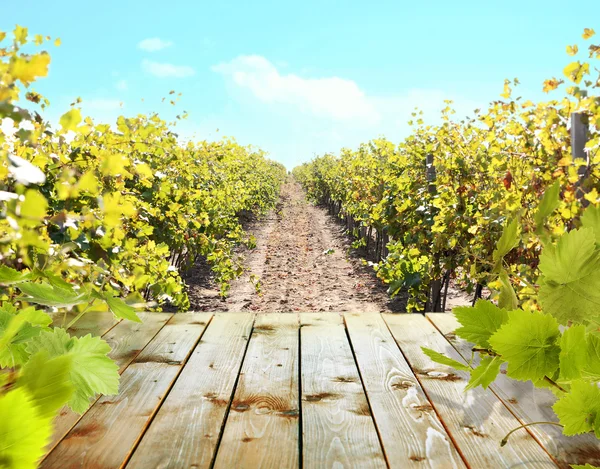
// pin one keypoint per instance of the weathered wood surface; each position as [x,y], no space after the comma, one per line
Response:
[186,431]
[265,413]
[529,404]
[337,427]
[127,339]
[311,390]
[410,430]
[109,431]
[476,420]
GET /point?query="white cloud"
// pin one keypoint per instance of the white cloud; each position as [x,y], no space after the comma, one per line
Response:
[121,85]
[332,97]
[154,44]
[163,70]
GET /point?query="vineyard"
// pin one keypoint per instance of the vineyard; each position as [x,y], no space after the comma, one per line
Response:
[101,223]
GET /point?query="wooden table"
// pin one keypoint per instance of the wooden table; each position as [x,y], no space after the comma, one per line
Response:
[238,390]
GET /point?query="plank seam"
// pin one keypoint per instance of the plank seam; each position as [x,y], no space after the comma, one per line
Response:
[300,419]
[231,397]
[362,383]
[100,395]
[427,395]
[491,388]
[171,384]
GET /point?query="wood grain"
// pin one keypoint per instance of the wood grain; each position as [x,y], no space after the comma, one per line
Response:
[265,410]
[337,427]
[96,324]
[108,432]
[410,430]
[476,420]
[186,430]
[127,339]
[530,404]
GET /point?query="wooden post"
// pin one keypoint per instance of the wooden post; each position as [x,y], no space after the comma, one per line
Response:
[579,137]
[434,304]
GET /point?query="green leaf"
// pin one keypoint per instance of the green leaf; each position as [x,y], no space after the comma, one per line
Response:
[591,219]
[528,343]
[121,309]
[93,371]
[508,240]
[507,298]
[444,360]
[580,466]
[16,328]
[579,409]
[591,371]
[550,202]
[34,206]
[70,120]
[570,282]
[10,276]
[48,295]
[573,353]
[23,432]
[485,373]
[48,382]
[479,322]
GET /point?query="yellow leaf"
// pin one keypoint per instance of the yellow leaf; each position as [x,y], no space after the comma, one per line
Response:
[70,120]
[57,42]
[2,36]
[20,34]
[565,161]
[572,50]
[88,183]
[592,196]
[588,33]
[576,70]
[551,84]
[28,69]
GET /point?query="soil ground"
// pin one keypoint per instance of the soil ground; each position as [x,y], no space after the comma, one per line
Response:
[304,262]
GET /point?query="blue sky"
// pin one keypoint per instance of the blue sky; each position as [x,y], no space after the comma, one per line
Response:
[298,78]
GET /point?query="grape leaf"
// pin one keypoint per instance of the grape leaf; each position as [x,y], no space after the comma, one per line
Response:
[507,298]
[485,373]
[121,309]
[92,372]
[16,327]
[550,202]
[479,322]
[579,409]
[48,295]
[48,382]
[508,240]
[573,353]
[570,282]
[23,432]
[444,360]
[591,219]
[528,343]
[10,276]
[591,370]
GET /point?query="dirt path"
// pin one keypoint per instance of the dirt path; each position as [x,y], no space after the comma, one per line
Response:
[304,262]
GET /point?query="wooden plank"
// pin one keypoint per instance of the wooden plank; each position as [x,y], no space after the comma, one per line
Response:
[411,432]
[337,426]
[262,428]
[529,404]
[186,430]
[108,432]
[126,339]
[96,324]
[476,420]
